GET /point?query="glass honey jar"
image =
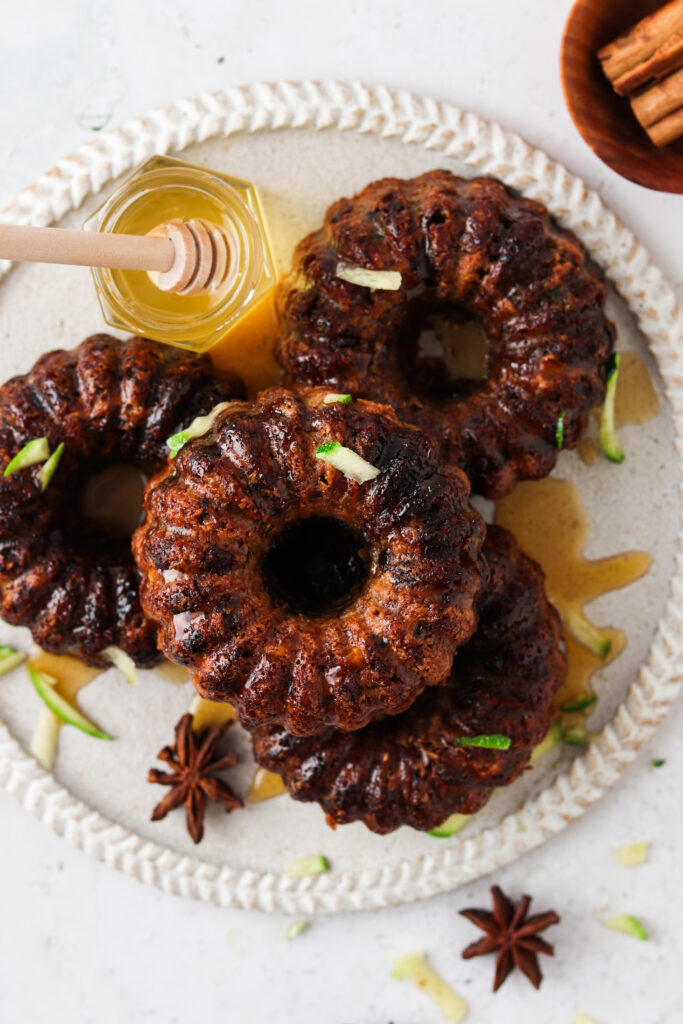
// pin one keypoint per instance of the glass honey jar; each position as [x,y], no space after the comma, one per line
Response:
[164,189]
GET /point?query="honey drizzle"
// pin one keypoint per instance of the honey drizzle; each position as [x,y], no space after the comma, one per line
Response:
[206,713]
[265,785]
[589,450]
[172,673]
[552,526]
[247,348]
[636,400]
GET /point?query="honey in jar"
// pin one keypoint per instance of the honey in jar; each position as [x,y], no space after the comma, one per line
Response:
[165,189]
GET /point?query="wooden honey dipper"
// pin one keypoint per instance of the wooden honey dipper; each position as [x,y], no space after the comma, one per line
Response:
[186,257]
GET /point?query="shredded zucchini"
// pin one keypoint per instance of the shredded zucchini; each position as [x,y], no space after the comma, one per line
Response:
[552,739]
[200,425]
[46,472]
[376,280]
[450,827]
[45,687]
[414,968]
[9,659]
[315,865]
[627,925]
[587,634]
[633,855]
[31,454]
[123,662]
[45,737]
[578,703]
[347,462]
[608,431]
[488,742]
[336,399]
[577,735]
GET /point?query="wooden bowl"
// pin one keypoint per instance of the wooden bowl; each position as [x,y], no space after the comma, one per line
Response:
[604,119]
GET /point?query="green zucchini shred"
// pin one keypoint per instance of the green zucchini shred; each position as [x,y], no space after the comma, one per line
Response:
[609,440]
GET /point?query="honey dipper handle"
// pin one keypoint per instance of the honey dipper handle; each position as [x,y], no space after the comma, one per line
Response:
[86,249]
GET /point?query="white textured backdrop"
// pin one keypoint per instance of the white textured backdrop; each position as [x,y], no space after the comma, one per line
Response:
[80,943]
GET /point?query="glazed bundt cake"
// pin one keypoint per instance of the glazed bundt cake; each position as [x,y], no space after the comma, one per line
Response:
[305,594]
[417,768]
[106,401]
[464,249]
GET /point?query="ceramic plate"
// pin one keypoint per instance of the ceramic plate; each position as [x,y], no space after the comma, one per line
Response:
[306,145]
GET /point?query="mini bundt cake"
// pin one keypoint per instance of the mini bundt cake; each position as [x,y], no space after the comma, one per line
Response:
[464,249]
[106,402]
[301,595]
[413,769]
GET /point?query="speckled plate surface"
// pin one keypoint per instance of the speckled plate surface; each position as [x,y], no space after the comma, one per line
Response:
[305,145]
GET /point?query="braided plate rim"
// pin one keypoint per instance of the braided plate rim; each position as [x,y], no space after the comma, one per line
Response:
[489,149]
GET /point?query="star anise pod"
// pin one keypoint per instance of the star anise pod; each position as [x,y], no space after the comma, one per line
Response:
[194,764]
[511,934]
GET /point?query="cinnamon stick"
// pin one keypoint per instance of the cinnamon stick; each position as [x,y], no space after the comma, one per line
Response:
[666,130]
[659,100]
[641,41]
[666,58]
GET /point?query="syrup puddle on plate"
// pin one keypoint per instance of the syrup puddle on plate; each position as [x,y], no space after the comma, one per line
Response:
[589,450]
[636,399]
[247,348]
[552,526]
[265,785]
[178,675]
[206,713]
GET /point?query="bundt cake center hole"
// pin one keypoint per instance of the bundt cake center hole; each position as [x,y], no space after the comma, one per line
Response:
[443,352]
[111,498]
[315,566]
